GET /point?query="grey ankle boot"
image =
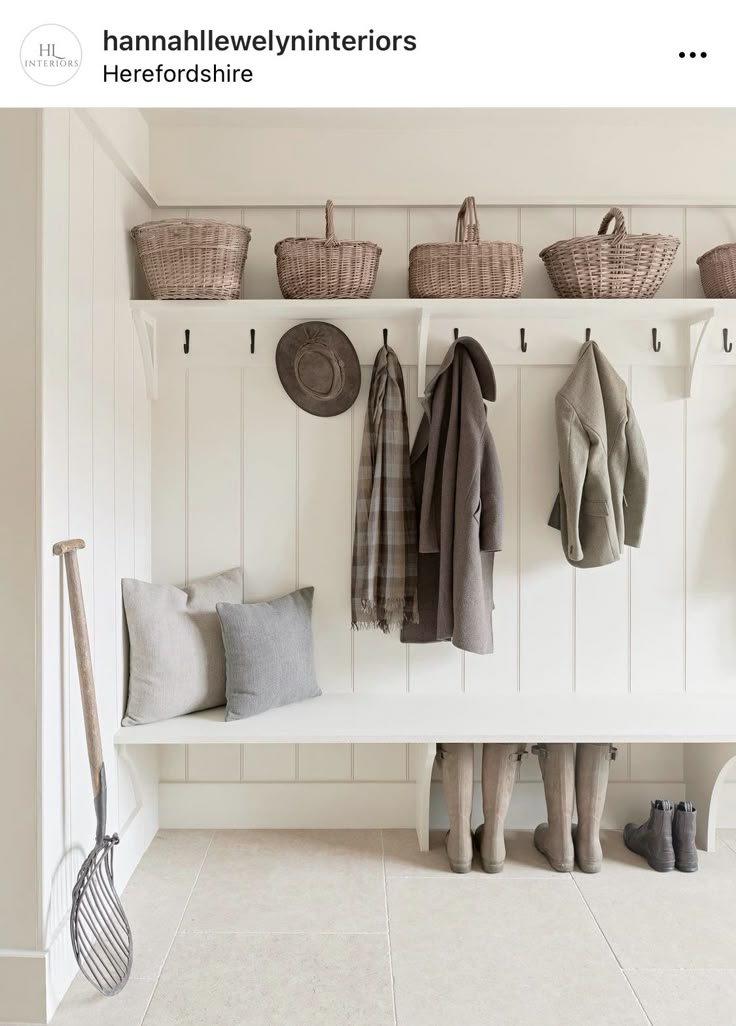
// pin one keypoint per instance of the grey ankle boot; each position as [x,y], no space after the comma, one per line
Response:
[498,776]
[592,765]
[683,838]
[456,764]
[653,839]
[554,838]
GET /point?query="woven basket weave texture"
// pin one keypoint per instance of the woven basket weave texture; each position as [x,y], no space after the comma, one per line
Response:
[616,266]
[191,258]
[326,268]
[466,268]
[718,271]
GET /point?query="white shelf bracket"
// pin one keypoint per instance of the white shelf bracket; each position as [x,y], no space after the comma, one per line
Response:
[145,328]
[422,347]
[699,331]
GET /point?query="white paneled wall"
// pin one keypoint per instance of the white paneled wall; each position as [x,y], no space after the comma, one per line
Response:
[241,476]
[96,458]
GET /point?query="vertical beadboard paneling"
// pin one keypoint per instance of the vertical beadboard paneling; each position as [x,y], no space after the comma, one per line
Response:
[213,470]
[312,225]
[81,454]
[541,226]
[268,225]
[658,567]
[379,762]
[546,579]
[325,762]
[389,228]
[706,227]
[499,672]
[380,662]
[269,502]
[169,471]
[214,518]
[431,224]
[711,540]
[665,221]
[499,224]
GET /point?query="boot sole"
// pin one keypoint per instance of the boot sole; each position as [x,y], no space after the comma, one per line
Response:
[559,867]
[687,867]
[461,867]
[491,867]
[661,867]
[590,867]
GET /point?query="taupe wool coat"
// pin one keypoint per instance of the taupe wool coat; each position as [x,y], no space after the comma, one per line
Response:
[604,473]
[457,487]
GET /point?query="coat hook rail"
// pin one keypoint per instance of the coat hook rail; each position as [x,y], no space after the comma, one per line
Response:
[727,346]
[186,340]
[656,343]
[252,340]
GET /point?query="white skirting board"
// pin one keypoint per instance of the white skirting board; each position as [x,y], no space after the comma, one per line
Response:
[332,805]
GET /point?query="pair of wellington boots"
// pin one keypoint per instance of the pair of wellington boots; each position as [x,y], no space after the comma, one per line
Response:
[667,839]
[570,776]
[498,773]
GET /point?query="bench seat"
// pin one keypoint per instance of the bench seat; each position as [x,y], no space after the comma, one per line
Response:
[705,724]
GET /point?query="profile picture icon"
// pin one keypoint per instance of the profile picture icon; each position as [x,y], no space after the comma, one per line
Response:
[51,54]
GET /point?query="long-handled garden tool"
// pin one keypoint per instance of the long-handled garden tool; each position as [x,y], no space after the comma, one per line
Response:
[101,937]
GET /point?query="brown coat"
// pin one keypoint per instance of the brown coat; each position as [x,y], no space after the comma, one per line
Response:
[604,476]
[457,487]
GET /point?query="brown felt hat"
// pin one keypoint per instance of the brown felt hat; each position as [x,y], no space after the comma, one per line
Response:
[319,368]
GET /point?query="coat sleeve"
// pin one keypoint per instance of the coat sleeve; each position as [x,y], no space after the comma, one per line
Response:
[636,483]
[491,496]
[574,447]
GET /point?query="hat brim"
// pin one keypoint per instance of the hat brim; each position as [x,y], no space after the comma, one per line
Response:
[286,353]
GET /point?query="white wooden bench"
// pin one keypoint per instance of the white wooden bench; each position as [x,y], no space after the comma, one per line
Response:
[705,724]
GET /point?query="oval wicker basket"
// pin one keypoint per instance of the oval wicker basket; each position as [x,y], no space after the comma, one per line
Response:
[466,268]
[718,271]
[617,266]
[192,259]
[326,268]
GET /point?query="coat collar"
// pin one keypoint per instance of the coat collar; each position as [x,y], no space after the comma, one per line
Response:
[481,366]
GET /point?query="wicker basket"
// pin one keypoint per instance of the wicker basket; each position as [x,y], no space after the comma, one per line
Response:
[192,259]
[617,266]
[466,268]
[326,268]
[718,271]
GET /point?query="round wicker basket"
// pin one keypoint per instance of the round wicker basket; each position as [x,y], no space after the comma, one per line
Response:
[192,259]
[617,266]
[466,268]
[718,271]
[326,268]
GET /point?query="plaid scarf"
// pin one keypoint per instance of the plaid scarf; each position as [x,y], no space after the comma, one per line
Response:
[384,580]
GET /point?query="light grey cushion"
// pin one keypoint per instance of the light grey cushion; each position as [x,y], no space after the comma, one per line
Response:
[177,662]
[269,653]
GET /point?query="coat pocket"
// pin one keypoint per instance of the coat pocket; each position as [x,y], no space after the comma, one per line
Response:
[594,507]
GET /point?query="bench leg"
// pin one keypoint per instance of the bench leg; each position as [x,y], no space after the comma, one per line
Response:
[424,756]
[705,771]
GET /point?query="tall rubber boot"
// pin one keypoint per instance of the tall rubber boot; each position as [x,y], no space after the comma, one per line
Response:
[498,776]
[592,766]
[554,838]
[456,764]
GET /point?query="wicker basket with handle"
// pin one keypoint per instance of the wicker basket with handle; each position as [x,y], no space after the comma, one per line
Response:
[192,259]
[718,271]
[617,266]
[466,268]
[326,268]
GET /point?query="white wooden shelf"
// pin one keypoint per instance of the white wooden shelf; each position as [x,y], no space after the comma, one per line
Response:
[421,719]
[687,326]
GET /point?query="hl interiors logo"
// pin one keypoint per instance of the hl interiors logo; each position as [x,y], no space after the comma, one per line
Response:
[50,55]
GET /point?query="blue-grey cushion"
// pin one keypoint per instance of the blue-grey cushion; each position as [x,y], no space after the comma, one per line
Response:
[269,653]
[177,662]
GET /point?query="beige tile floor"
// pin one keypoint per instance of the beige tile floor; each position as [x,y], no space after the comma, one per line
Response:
[357,928]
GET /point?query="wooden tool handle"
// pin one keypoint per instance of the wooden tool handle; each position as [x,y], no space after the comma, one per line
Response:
[84,659]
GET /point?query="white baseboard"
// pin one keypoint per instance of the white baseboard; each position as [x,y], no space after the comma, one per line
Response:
[280,805]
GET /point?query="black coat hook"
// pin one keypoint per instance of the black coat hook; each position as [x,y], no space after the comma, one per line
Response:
[656,343]
[252,340]
[727,346]
[522,333]
[186,340]
[587,334]
[455,333]
[385,339]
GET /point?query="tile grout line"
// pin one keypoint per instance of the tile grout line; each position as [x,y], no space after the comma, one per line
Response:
[611,949]
[177,930]
[388,929]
